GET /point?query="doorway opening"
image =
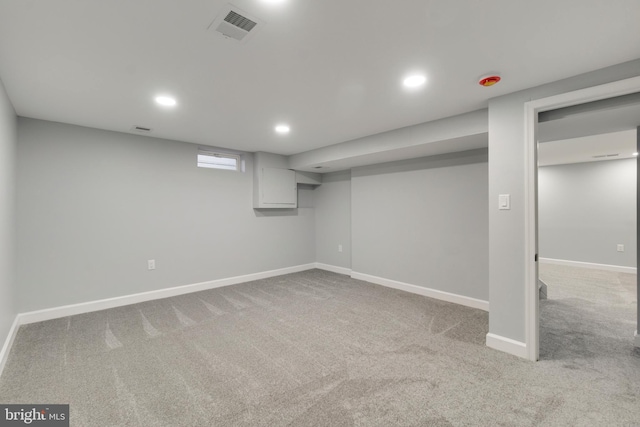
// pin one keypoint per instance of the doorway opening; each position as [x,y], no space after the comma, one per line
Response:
[587,234]
[533,110]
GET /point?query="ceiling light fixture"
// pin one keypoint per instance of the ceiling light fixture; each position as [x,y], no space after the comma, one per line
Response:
[166,101]
[282,129]
[414,81]
[635,154]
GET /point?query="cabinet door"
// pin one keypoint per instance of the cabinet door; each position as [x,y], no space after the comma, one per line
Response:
[279,187]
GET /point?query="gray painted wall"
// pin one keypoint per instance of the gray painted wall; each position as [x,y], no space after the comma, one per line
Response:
[424,222]
[333,219]
[586,209]
[507,176]
[8,141]
[93,206]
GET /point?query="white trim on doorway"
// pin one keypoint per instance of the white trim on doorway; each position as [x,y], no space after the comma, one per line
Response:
[507,345]
[531,110]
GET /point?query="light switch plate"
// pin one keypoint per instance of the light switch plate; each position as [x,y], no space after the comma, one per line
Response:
[504,202]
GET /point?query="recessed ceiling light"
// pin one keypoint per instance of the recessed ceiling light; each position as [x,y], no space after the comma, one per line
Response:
[634,154]
[414,80]
[282,129]
[166,101]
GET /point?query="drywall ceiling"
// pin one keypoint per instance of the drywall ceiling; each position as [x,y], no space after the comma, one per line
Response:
[330,69]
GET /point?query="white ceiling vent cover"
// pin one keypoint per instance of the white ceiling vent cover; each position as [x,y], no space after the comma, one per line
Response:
[233,23]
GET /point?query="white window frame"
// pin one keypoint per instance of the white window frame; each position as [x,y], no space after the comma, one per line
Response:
[219,154]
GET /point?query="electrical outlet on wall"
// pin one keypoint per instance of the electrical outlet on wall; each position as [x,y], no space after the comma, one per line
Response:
[151,264]
[339,248]
[620,248]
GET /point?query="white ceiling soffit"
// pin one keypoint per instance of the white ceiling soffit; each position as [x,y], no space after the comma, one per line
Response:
[616,102]
[600,117]
[455,145]
[610,146]
[235,24]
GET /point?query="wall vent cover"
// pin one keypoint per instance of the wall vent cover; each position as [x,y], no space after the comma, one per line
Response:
[233,23]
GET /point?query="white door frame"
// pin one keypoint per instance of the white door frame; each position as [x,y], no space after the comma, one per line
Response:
[531,110]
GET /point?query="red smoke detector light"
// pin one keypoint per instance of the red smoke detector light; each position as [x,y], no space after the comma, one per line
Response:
[489,81]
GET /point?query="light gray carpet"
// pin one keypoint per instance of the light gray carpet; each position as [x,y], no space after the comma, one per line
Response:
[321,349]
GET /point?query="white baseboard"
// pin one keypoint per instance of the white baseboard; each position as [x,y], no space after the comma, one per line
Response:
[427,292]
[507,345]
[333,268]
[4,353]
[86,307]
[636,339]
[594,266]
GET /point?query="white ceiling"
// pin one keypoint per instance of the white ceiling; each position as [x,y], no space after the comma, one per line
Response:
[330,69]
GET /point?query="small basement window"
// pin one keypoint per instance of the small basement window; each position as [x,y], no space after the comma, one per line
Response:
[217,160]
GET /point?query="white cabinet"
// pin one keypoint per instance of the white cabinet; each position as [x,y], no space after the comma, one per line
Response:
[275,186]
[277,189]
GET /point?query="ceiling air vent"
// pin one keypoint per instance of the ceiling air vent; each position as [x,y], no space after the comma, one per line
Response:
[240,21]
[233,23]
[140,129]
